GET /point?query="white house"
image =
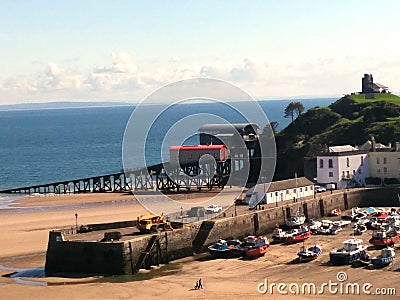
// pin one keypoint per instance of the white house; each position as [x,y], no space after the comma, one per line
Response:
[289,189]
[343,166]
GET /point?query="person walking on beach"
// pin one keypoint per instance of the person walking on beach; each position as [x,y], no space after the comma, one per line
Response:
[196,287]
[200,286]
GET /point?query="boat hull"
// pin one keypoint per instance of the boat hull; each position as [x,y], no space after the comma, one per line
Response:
[298,238]
[384,242]
[277,240]
[307,257]
[344,259]
[380,262]
[256,252]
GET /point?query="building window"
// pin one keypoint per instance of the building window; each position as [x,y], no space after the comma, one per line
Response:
[311,188]
[321,163]
[362,160]
[348,174]
[301,190]
[305,189]
[347,162]
[287,192]
[330,174]
[330,163]
[379,171]
[294,190]
[384,160]
[354,172]
[384,170]
[377,160]
[343,174]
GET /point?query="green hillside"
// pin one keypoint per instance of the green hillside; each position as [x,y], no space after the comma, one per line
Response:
[350,120]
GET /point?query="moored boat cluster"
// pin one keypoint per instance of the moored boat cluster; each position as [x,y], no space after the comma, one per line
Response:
[385,226]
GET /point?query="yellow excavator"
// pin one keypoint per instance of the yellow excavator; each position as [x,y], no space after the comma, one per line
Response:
[153,223]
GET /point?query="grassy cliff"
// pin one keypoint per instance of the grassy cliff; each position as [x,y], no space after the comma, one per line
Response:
[350,120]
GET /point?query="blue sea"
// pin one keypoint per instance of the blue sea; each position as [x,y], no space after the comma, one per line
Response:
[50,145]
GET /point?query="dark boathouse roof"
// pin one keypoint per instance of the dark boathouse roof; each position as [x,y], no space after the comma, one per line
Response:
[242,128]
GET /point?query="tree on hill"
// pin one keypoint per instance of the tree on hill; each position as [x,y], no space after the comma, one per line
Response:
[294,108]
[271,126]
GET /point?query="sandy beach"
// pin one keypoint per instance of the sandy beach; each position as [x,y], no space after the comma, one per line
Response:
[24,240]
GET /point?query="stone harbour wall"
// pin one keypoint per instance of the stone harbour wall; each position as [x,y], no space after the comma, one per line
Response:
[122,257]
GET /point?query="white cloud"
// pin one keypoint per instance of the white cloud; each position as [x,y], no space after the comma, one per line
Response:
[268,77]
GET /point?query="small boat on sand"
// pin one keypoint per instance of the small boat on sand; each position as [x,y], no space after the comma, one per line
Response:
[279,235]
[302,234]
[296,220]
[252,247]
[314,225]
[222,248]
[359,229]
[352,251]
[384,237]
[335,228]
[311,253]
[336,212]
[325,227]
[386,257]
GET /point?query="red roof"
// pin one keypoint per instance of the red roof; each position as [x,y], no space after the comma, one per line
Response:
[199,147]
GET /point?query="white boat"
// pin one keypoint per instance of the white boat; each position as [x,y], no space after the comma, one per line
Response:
[344,223]
[335,228]
[314,225]
[325,227]
[352,251]
[296,220]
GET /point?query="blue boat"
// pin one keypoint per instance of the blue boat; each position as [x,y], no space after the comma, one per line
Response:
[223,248]
[307,254]
[386,257]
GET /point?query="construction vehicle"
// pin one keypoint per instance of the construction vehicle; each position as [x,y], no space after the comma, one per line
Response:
[152,223]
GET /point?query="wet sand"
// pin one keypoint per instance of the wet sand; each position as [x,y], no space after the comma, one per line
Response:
[24,240]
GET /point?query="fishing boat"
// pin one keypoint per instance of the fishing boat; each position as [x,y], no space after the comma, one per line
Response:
[335,228]
[336,212]
[359,229]
[252,247]
[354,212]
[279,235]
[344,223]
[311,253]
[352,251]
[370,211]
[302,234]
[222,248]
[386,257]
[261,246]
[325,227]
[384,237]
[314,225]
[296,220]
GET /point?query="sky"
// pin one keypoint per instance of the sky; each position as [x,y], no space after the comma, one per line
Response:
[123,50]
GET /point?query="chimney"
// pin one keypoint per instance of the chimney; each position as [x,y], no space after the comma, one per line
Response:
[397,146]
